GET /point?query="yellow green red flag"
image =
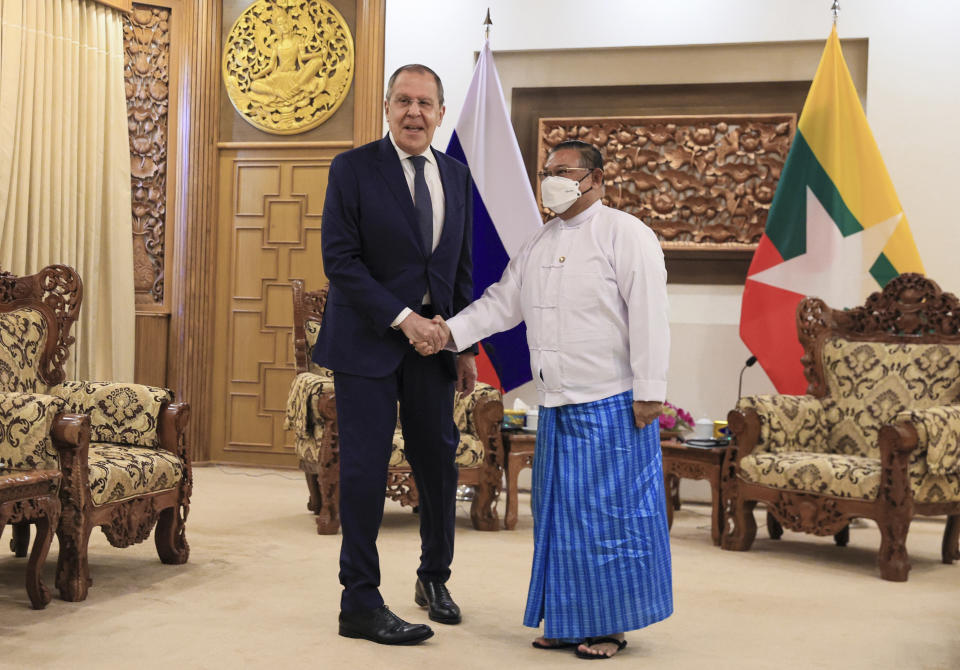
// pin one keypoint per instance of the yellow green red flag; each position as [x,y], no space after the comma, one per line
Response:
[836,229]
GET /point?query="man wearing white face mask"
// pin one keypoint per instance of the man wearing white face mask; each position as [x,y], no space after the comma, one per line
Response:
[591,287]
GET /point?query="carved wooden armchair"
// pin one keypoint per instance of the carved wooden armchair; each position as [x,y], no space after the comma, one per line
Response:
[120,447]
[29,479]
[876,436]
[312,414]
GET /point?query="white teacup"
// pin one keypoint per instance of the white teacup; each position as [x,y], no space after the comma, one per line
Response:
[703,429]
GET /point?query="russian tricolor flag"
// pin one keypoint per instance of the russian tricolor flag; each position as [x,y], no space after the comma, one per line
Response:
[505,212]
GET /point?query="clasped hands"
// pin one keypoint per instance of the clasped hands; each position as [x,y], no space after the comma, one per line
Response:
[427,336]
[430,336]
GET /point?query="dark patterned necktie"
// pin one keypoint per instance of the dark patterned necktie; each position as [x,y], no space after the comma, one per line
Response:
[422,203]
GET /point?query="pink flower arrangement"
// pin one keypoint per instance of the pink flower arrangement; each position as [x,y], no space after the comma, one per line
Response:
[675,418]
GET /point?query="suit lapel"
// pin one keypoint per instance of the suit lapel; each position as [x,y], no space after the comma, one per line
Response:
[392,173]
[451,197]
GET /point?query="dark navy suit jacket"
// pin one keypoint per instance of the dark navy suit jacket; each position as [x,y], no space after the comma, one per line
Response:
[376,261]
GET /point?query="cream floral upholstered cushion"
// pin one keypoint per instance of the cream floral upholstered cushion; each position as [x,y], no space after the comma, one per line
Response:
[788,422]
[120,413]
[25,421]
[843,476]
[470,450]
[23,334]
[938,429]
[825,474]
[119,471]
[869,383]
[312,329]
[303,414]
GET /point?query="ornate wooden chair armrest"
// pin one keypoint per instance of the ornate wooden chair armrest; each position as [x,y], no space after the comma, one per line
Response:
[745,427]
[934,433]
[487,416]
[29,420]
[71,438]
[323,410]
[172,428]
[482,412]
[479,415]
[309,403]
[70,432]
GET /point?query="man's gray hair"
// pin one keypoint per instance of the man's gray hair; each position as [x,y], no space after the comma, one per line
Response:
[590,156]
[420,69]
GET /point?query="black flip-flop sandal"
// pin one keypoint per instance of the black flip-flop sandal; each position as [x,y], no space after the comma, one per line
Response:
[557,645]
[590,641]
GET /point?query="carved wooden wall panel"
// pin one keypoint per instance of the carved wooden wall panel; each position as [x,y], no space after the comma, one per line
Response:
[701,182]
[150,364]
[146,37]
[269,233]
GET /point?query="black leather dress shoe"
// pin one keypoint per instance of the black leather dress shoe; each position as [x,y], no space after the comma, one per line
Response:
[436,596]
[383,627]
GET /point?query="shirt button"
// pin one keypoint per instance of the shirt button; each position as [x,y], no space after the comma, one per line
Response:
[563,258]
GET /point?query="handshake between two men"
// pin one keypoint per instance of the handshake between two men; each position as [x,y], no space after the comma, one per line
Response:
[430,336]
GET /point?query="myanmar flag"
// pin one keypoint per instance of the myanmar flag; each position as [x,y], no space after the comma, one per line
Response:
[836,229]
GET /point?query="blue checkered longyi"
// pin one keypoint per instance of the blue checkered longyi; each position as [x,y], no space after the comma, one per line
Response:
[601,559]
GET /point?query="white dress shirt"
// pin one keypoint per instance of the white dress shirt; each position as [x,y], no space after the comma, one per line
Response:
[593,293]
[431,174]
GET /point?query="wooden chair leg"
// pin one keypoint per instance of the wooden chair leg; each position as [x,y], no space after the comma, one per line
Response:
[20,539]
[950,550]
[483,511]
[843,537]
[328,514]
[668,500]
[170,536]
[742,526]
[313,502]
[673,488]
[716,512]
[73,570]
[773,527]
[514,465]
[38,593]
[892,560]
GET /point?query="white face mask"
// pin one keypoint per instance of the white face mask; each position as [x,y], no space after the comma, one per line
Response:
[559,193]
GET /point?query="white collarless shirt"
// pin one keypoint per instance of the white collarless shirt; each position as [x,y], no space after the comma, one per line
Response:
[431,174]
[593,294]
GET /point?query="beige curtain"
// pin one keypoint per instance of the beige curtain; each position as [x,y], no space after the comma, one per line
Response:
[65,167]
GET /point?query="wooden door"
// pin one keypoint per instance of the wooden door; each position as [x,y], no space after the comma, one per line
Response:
[270,191]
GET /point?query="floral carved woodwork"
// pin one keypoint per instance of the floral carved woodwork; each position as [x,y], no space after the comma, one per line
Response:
[146,39]
[701,182]
[288,64]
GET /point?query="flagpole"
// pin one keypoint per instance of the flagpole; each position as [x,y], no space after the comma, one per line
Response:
[486,26]
[834,9]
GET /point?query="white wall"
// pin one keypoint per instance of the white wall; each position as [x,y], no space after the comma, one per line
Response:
[913,99]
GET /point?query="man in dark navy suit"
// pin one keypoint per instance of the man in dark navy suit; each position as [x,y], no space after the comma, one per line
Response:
[396,237]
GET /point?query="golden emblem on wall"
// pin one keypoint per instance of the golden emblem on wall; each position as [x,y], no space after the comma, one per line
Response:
[288,64]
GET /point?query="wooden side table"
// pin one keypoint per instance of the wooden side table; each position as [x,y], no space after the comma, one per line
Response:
[31,496]
[683,462]
[519,448]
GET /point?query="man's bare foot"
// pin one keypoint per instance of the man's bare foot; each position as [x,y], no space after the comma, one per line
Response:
[602,647]
[549,643]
